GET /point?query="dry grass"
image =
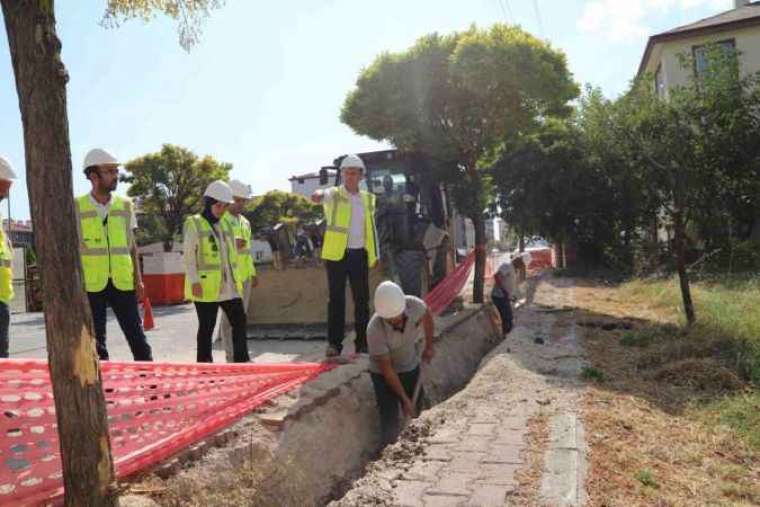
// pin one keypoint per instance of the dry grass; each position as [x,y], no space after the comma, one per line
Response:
[259,485]
[529,476]
[656,425]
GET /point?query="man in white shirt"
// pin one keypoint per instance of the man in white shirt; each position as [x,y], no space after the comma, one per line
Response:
[349,251]
[108,251]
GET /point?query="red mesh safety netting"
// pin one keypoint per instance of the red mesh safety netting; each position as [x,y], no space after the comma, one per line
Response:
[154,410]
[449,288]
[540,258]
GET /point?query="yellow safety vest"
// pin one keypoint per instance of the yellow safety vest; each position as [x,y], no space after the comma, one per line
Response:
[6,271]
[208,259]
[241,230]
[338,217]
[104,246]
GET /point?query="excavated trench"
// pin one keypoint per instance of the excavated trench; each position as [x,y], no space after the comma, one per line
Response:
[310,445]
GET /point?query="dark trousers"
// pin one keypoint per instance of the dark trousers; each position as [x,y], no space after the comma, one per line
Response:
[235,313]
[354,267]
[5,322]
[504,305]
[124,306]
[389,404]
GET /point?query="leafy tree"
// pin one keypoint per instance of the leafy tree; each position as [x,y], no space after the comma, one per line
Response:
[169,186]
[277,206]
[41,79]
[696,150]
[457,98]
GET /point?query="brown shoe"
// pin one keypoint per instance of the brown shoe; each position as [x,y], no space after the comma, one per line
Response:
[332,351]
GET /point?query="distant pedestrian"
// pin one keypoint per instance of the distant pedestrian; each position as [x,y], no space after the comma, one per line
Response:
[504,293]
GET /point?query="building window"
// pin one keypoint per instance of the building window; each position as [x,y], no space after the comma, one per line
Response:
[702,55]
[659,82]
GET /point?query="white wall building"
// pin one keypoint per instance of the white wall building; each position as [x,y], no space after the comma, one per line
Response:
[735,30]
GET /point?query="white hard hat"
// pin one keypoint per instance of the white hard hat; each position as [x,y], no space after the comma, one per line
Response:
[6,171]
[390,300]
[220,191]
[240,189]
[99,157]
[352,161]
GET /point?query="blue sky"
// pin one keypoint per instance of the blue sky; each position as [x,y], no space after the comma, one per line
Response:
[264,87]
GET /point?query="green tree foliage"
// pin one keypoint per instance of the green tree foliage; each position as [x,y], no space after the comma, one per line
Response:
[169,185]
[277,206]
[621,173]
[189,15]
[457,98]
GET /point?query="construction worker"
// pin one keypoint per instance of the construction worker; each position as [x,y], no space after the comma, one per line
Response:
[6,257]
[504,292]
[245,270]
[349,251]
[108,250]
[392,336]
[211,270]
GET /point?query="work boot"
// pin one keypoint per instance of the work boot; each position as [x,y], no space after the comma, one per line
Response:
[332,351]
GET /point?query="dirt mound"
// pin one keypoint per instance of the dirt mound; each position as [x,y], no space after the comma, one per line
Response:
[704,374]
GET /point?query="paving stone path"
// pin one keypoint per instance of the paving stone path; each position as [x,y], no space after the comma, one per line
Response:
[468,450]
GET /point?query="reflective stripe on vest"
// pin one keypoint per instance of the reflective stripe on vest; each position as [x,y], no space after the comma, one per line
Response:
[208,260]
[338,215]
[6,272]
[104,244]
[241,230]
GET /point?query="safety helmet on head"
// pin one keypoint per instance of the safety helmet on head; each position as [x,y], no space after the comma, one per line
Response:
[6,171]
[219,191]
[240,189]
[352,161]
[96,157]
[390,300]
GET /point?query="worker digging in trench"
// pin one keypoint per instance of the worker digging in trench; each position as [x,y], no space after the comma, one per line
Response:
[394,356]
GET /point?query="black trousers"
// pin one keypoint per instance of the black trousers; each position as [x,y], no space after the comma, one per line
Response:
[124,306]
[354,267]
[235,312]
[389,405]
[504,305]
[5,322]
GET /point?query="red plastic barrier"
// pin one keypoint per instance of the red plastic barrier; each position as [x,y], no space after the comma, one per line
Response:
[154,410]
[449,288]
[540,259]
[165,289]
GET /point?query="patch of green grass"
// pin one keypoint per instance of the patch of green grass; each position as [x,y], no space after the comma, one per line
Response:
[646,478]
[639,338]
[739,412]
[591,373]
[726,309]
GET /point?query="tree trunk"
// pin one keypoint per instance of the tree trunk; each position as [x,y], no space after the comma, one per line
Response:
[521,243]
[480,258]
[74,369]
[683,275]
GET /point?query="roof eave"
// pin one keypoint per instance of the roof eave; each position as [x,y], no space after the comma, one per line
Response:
[685,34]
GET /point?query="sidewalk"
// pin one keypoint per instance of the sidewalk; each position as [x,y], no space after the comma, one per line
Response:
[172,340]
[482,447]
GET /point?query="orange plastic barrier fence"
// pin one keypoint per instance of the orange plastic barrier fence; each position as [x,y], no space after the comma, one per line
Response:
[449,288]
[154,410]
